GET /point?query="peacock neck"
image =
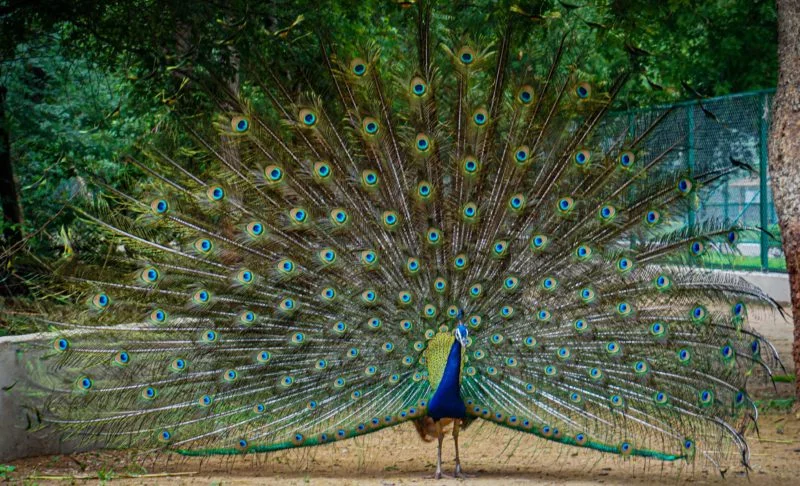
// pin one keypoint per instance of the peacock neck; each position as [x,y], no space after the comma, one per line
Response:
[452,371]
[446,401]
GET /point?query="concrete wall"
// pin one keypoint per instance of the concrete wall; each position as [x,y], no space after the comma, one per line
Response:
[16,442]
[776,285]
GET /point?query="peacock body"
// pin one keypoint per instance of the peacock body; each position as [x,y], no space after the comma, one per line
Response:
[462,234]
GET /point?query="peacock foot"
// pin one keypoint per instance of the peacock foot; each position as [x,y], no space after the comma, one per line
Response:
[461,474]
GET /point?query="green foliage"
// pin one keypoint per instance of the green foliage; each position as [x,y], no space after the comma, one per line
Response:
[89,80]
[68,118]
[5,470]
[717,47]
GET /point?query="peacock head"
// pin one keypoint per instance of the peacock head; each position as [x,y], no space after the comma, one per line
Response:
[461,334]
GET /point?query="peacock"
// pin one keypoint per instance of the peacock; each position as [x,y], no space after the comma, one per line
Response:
[462,228]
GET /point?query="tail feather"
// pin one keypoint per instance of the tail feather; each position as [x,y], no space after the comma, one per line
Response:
[275,284]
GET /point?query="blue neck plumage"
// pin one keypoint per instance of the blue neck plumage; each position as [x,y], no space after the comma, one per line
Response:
[452,370]
[446,401]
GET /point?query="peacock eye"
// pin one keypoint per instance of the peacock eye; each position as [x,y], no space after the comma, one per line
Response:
[239,124]
[215,193]
[539,242]
[583,90]
[150,275]
[327,255]
[476,290]
[565,204]
[466,56]
[516,203]
[608,212]
[390,219]
[424,189]
[470,166]
[338,217]
[369,179]
[255,229]
[370,126]
[684,186]
[273,174]
[418,86]
[307,117]
[434,236]
[322,171]
[358,67]
[159,206]
[582,158]
[422,143]
[480,117]
[521,154]
[298,215]
[525,94]
[61,344]
[626,160]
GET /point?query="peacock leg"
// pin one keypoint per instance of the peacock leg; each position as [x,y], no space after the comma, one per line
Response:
[459,473]
[439,437]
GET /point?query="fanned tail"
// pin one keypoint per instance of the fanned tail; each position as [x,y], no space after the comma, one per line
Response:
[276,284]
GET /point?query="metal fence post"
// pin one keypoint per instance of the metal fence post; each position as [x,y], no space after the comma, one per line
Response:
[762,173]
[726,200]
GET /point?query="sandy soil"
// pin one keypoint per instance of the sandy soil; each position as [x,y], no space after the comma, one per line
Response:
[396,456]
[777,330]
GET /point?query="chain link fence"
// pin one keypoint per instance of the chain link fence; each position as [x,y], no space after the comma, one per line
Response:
[734,127]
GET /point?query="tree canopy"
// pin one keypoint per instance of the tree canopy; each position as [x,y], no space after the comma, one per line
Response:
[88,79]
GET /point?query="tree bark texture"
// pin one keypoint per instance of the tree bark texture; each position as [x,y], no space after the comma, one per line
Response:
[784,156]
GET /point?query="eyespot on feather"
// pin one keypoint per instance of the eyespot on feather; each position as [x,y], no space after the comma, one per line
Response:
[358,67]
[370,126]
[583,91]
[525,94]
[418,87]
[240,124]
[307,117]
[466,56]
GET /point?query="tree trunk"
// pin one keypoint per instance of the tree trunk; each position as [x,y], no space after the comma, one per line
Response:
[784,156]
[9,197]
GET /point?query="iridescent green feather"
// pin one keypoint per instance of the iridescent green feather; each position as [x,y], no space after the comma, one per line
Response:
[303,287]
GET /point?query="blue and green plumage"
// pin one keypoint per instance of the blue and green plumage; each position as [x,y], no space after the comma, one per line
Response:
[446,400]
[304,287]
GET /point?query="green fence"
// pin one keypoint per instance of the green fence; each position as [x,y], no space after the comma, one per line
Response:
[735,126]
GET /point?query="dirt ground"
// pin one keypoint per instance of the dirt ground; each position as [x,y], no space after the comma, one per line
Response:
[396,456]
[777,330]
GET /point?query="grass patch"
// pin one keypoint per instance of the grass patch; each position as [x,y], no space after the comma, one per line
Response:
[779,404]
[743,262]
